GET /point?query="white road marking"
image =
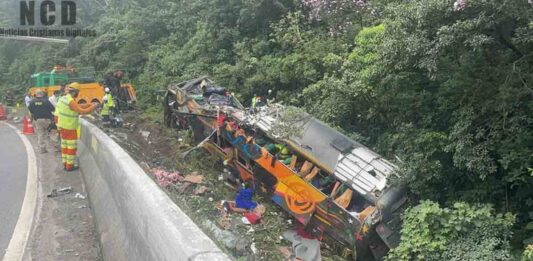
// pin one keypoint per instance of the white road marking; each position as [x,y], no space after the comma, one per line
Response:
[17,244]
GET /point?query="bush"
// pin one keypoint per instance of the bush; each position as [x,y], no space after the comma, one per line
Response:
[463,232]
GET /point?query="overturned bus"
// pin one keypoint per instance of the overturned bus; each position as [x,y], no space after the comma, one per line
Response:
[328,182]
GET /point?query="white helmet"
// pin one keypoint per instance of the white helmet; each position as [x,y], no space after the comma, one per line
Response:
[106,89]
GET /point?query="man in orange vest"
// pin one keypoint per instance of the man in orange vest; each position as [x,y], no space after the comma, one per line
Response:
[68,111]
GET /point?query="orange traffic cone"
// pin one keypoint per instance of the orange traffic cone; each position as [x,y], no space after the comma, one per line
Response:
[27,127]
[3,113]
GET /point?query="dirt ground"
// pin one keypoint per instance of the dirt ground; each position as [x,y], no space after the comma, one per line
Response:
[156,147]
[63,227]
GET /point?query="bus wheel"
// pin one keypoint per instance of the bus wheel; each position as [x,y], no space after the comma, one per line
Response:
[95,101]
[82,101]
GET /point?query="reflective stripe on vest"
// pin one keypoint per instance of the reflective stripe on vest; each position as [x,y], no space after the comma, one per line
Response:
[67,118]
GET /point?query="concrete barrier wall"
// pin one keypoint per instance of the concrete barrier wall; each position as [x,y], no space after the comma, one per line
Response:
[136,220]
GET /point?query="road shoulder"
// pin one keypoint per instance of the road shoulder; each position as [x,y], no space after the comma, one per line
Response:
[64,228]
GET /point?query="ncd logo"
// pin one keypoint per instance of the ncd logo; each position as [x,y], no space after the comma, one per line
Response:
[47,12]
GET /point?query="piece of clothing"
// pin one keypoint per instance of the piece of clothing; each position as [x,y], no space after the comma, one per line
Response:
[41,108]
[41,127]
[244,199]
[69,146]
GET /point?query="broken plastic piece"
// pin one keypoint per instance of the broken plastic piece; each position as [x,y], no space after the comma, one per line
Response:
[59,192]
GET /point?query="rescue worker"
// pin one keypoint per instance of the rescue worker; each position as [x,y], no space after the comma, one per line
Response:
[254,101]
[108,105]
[42,114]
[68,123]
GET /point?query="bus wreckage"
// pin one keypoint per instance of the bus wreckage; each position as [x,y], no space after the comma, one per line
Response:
[326,181]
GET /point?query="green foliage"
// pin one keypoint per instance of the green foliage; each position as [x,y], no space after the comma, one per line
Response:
[463,232]
[528,253]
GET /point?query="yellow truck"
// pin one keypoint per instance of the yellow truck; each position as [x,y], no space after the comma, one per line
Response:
[90,89]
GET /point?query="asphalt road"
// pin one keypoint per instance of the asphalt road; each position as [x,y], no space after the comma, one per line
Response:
[13,172]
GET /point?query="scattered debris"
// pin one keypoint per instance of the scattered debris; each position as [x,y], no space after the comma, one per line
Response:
[65,189]
[79,195]
[224,221]
[253,248]
[82,206]
[119,136]
[59,192]
[145,134]
[183,187]
[165,178]
[200,190]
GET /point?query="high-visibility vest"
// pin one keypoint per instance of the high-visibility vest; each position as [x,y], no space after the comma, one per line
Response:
[108,103]
[67,118]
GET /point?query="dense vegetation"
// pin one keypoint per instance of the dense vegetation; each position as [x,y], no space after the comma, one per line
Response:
[443,87]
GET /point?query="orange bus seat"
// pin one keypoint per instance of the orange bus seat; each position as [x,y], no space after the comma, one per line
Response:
[294,158]
[365,213]
[305,168]
[344,199]
[313,174]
